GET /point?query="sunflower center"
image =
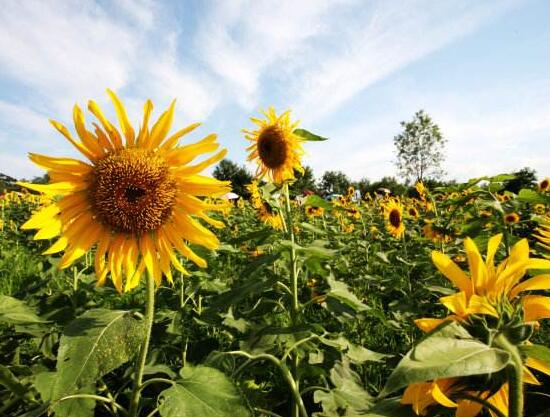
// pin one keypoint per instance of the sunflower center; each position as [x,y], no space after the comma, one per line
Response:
[395,218]
[272,147]
[132,191]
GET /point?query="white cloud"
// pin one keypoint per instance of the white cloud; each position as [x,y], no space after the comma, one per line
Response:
[382,40]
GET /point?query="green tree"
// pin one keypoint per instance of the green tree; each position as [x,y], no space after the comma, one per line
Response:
[334,182]
[524,178]
[389,183]
[420,149]
[7,183]
[239,176]
[305,181]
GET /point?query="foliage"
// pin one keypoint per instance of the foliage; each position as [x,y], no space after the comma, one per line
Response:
[420,149]
[525,178]
[239,176]
[304,182]
[334,182]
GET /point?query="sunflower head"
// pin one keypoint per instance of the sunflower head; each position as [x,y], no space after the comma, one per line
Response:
[393,213]
[137,197]
[511,218]
[275,148]
[412,212]
[544,185]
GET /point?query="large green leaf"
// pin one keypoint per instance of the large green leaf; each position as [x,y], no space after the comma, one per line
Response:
[14,311]
[531,196]
[317,201]
[341,301]
[202,391]
[94,344]
[348,398]
[439,356]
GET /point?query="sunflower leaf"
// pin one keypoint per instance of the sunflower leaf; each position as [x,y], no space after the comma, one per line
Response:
[531,196]
[202,391]
[92,345]
[14,311]
[307,135]
[440,356]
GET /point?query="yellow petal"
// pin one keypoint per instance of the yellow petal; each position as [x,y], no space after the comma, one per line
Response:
[196,169]
[112,132]
[538,365]
[467,408]
[149,254]
[161,128]
[529,378]
[143,135]
[478,271]
[41,218]
[185,154]
[127,129]
[539,282]
[440,397]
[536,307]
[81,148]
[80,246]
[481,305]
[174,139]
[60,164]
[448,268]
[87,139]
[99,261]
[57,247]
[428,324]
[50,230]
[56,188]
[457,303]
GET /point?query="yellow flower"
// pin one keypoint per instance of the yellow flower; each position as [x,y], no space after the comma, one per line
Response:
[488,289]
[420,189]
[393,212]
[270,216]
[511,218]
[423,395]
[276,149]
[544,184]
[312,211]
[255,195]
[413,212]
[136,197]
[539,208]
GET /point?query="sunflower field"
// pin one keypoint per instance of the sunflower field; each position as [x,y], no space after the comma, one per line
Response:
[130,287]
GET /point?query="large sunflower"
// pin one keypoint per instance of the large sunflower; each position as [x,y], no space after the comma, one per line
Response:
[276,149]
[136,197]
[393,212]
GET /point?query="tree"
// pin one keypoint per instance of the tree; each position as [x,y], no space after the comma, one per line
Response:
[420,149]
[389,183]
[239,176]
[524,178]
[334,182]
[305,181]
[7,183]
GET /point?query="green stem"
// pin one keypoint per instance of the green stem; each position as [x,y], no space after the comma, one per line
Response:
[294,288]
[514,372]
[92,397]
[140,364]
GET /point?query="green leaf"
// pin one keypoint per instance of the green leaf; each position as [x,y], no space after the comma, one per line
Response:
[202,391]
[356,353]
[531,196]
[311,228]
[10,381]
[341,301]
[317,201]
[347,397]
[440,356]
[307,135]
[92,345]
[14,311]
[539,352]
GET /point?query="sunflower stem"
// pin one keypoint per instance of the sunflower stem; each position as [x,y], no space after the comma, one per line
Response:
[514,373]
[140,363]
[295,301]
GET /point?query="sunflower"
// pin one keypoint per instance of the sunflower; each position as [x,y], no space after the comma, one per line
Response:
[412,212]
[255,195]
[539,208]
[270,216]
[276,149]
[423,395]
[312,211]
[393,212]
[543,234]
[511,218]
[421,189]
[136,197]
[544,185]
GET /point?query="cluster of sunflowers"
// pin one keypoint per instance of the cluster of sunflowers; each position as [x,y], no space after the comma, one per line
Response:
[140,199]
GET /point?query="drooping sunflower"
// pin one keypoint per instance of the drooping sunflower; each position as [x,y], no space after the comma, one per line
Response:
[275,148]
[136,197]
[270,216]
[393,213]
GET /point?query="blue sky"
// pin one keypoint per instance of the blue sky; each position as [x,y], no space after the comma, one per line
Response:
[350,70]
